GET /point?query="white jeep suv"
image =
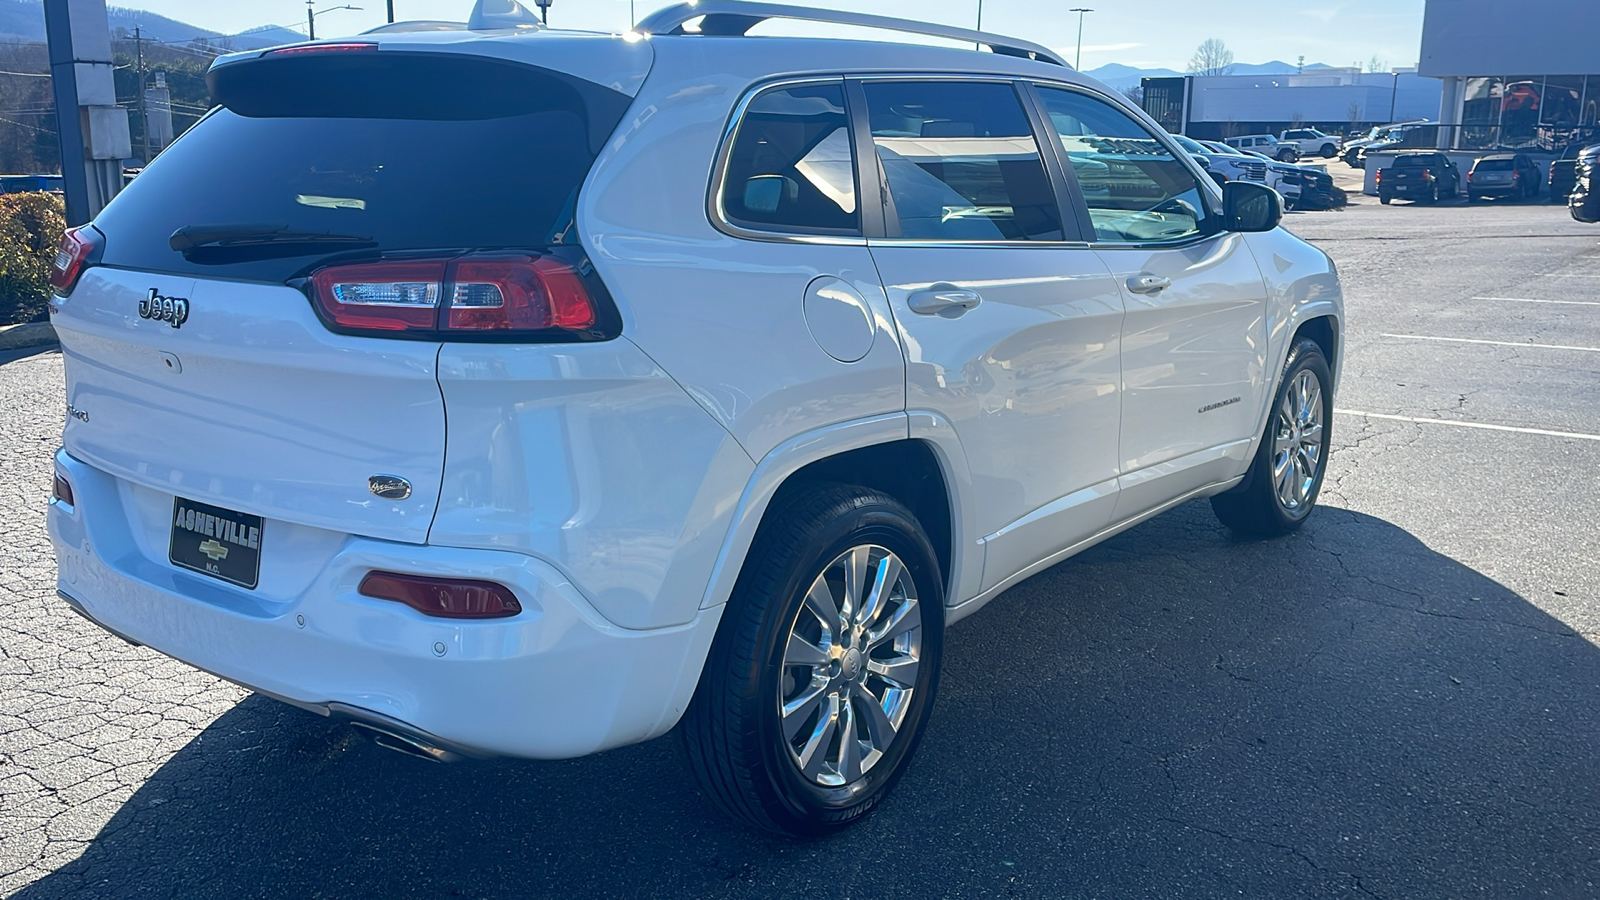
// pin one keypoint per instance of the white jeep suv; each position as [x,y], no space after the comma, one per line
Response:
[524,392]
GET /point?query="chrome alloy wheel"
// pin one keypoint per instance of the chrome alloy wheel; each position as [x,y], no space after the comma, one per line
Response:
[1297,447]
[850,665]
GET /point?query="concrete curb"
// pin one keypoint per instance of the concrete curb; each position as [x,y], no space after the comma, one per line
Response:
[32,334]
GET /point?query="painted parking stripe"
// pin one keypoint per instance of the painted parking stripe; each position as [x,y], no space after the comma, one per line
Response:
[1541,300]
[1565,275]
[1456,340]
[1533,300]
[1460,424]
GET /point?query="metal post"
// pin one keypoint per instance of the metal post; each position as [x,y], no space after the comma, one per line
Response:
[69,125]
[980,15]
[1393,94]
[144,114]
[311,21]
[391,12]
[1077,59]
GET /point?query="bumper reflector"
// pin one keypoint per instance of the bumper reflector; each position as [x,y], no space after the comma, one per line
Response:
[447,598]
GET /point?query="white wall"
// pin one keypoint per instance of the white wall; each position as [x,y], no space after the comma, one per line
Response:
[1250,98]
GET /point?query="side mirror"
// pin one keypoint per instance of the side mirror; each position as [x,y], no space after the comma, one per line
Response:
[1249,207]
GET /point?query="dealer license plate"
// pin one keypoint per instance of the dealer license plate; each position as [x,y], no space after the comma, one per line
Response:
[214,541]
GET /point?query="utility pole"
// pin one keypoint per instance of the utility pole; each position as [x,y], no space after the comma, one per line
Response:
[1077,60]
[311,21]
[1394,92]
[391,12]
[144,114]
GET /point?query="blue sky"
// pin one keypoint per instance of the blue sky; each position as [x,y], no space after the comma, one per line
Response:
[1144,33]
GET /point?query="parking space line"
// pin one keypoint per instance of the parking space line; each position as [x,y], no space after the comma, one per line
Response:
[1532,300]
[1565,275]
[1460,424]
[1456,340]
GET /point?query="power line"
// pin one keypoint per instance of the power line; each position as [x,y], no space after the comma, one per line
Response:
[26,125]
[28,74]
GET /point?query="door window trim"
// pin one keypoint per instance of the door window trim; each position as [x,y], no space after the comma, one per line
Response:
[1208,188]
[717,191]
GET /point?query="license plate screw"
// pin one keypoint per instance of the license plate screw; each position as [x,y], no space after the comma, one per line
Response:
[300,621]
[438,648]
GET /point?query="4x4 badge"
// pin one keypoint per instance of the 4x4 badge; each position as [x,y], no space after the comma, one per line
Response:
[172,310]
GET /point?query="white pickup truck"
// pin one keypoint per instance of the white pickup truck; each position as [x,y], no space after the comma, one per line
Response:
[1311,142]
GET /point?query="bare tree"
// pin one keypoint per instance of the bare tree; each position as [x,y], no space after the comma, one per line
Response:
[1211,58]
[1355,117]
[1135,93]
[1375,64]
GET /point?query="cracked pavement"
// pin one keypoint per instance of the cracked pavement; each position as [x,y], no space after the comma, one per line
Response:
[1399,701]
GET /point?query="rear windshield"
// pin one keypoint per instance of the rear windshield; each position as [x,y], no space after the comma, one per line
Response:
[1415,161]
[400,161]
[1493,165]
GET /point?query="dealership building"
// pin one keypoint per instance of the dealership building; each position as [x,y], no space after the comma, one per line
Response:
[1519,76]
[1213,107]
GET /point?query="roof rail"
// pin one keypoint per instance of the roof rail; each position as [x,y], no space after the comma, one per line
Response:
[735,17]
[416,26]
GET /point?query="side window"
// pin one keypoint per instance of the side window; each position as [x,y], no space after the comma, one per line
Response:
[961,162]
[1136,190]
[791,166]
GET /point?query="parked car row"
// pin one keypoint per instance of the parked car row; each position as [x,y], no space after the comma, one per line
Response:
[1427,176]
[1301,187]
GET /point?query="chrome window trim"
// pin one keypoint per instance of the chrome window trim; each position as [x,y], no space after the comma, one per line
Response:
[718,186]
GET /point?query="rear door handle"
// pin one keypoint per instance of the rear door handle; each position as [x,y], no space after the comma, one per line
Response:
[943,300]
[1146,283]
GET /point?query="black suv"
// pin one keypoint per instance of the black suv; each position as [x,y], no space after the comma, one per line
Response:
[1564,173]
[1423,177]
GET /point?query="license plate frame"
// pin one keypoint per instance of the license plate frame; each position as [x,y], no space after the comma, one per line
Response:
[220,543]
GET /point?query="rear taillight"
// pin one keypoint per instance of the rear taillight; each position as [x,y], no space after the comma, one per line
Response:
[1379,176]
[1469,177]
[1427,173]
[447,598]
[488,294]
[61,491]
[71,259]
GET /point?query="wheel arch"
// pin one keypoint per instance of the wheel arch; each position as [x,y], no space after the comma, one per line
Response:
[879,453]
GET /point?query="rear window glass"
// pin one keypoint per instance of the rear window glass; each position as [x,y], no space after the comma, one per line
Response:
[1493,165]
[1415,161]
[349,162]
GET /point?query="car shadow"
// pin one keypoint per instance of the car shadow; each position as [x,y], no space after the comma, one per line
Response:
[1343,712]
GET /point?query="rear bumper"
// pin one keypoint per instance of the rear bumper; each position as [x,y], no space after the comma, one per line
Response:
[557,681]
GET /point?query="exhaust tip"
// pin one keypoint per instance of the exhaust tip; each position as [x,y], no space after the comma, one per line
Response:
[408,744]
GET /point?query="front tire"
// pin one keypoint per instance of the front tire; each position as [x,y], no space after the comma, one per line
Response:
[1329,151]
[1284,479]
[824,668]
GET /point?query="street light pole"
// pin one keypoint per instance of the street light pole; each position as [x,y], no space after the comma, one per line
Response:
[312,13]
[1077,59]
[391,12]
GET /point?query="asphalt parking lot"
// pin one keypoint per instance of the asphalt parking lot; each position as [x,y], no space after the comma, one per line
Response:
[1399,701]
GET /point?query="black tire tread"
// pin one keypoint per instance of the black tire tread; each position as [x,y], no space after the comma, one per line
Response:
[720,742]
[1251,508]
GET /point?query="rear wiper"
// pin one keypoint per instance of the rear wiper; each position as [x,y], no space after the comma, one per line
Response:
[191,238]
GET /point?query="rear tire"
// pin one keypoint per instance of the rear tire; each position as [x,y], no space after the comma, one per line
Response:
[1384,199]
[1329,151]
[818,684]
[1281,487]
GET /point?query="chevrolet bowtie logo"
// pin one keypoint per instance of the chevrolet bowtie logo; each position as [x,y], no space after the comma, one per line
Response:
[214,549]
